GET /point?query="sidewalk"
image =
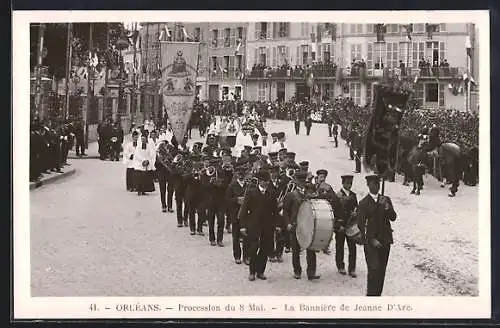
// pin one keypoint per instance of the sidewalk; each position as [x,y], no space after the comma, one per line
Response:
[53,176]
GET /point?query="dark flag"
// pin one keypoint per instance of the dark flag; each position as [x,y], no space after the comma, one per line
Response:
[383,130]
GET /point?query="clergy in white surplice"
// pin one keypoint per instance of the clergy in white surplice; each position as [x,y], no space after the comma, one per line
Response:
[144,164]
[243,138]
[128,161]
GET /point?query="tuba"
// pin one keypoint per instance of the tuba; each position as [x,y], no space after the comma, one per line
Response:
[290,187]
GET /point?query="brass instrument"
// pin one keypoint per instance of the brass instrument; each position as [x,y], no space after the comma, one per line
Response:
[290,187]
[290,173]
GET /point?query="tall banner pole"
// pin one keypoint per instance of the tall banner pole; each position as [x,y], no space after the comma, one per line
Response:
[105,105]
[69,56]
[178,83]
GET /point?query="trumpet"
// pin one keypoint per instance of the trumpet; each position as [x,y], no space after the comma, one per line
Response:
[290,187]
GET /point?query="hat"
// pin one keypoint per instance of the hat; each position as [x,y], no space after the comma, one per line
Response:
[274,135]
[257,148]
[281,135]
[283,150]
[255,136]
[248,148]
[347,177]
[304,164]
[371,178]
[322,171]
[263,175]
[300,177]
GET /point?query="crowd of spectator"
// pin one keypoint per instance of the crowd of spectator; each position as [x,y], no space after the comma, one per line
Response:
[319,69]
[455,126]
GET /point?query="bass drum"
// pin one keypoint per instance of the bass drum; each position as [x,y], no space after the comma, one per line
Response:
[315,222]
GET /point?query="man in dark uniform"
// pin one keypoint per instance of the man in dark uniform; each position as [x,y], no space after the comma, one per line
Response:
[234,198]
[335,132]
[350,140]
[80,139]
[308,123]
[291,204]
[349,203]
[116,140]
[358,150]
[258,225]
[192,195]
[279,237]
[374,215]
[176,180]
[296,118]
[329,123]
[216,206]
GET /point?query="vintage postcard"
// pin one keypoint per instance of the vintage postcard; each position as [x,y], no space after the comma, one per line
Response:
[251,164]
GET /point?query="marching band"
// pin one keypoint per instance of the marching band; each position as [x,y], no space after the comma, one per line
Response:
[256,194]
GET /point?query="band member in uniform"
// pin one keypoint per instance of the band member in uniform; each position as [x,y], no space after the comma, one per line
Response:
[163,167]
[358,149]
[234,198]
[291,205]
[216,205]
[192,195]
[374,215]
[349,206]
[258,225]
[128,160]
[279,237]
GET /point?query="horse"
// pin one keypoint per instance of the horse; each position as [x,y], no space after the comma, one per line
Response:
[446,157]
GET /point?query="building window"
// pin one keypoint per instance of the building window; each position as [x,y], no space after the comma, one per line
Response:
[214,64]
[239,61]
[370,28]
[283,30]
[441,95]
[304,29]
[326,52]
[355,52]
[240,33]
[356,28]
[262,56]
[392,55]
[263,31]
[417,53]
[305,54]
[431,93]
[215,38]
[282,55]
[392,28]
[355,92]
[418,28]
[441,28]
[197,34]
[226,64]
[227,37]
[263,87]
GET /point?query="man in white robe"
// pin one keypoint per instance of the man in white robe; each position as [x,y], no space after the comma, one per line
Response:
[128,161]
[144,164]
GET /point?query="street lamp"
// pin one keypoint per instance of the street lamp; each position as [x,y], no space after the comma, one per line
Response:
[269,76]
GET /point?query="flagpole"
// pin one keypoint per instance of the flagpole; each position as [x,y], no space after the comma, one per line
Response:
[134,75]
[69,55]
[157,88]
[89,69]
[38,70]
[105,105]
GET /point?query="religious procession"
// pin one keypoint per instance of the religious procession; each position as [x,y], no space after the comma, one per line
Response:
[261,184]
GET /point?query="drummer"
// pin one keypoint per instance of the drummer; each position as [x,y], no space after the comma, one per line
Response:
[291,204]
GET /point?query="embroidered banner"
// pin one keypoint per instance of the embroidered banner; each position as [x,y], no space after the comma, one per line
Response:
[178,86]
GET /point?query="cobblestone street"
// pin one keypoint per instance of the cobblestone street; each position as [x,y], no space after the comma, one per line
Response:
[90,237]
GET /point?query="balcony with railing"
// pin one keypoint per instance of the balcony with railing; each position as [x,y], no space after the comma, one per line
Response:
[327,72]
[226,74]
